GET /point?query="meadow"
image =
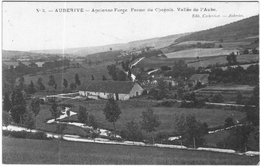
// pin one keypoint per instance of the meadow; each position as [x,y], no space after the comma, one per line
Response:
[133,109]
[27,151]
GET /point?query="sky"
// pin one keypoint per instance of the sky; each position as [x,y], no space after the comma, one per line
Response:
[26,27]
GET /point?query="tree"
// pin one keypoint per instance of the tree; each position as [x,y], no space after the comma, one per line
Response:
[252,115]
[228,122]
[92,77]
[77,81]
[133,131]
[238,138]
[150,121]
[73,86]
[112,70]
[21,82]
[40,84]
[246,51]
[6,119]
[60,129]
[194,132]
[104,78]
[18,98]
[31,88]
[239,97]
[17,112]
[218,98]
[233,58]
[112,111]
[92,122]
[29,118]
[7,105]
[229,59]
[52,81]
[65,83]
[121,76]
[83,115]
[220,46]
[35,106]
[55,111]
[180,125]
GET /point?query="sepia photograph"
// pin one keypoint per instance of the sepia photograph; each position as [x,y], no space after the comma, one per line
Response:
[130,83]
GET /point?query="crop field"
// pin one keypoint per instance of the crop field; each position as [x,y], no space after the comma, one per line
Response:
[84,74]
[228,91]
[27,151]
[231,44]
[198,52]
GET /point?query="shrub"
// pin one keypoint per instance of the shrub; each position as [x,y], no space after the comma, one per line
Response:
[161,136]
[6,132]
[218,98]
[18,134]
[37,135]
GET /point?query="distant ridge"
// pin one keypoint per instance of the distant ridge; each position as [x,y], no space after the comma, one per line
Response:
[241,29]
[157,42]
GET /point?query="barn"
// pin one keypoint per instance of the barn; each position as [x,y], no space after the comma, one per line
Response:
[119,90]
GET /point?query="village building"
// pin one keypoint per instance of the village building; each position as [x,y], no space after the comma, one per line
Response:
[202,78]
[119,90]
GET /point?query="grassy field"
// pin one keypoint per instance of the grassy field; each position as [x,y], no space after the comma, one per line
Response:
[198,52]
[24,151]
[130,110]
[84,74]
[222,59]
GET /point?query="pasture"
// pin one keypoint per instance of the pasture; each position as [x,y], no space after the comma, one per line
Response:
[27,151]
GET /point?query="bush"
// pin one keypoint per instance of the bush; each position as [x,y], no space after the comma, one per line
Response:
[37,135]
[144,92]
[6,132]
[161,137]
[218,98]
[18,134]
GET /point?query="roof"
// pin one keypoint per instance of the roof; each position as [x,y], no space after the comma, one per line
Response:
[108,86]
[196,77]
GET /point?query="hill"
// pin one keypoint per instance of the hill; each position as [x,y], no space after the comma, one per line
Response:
[246,28]
[158,42]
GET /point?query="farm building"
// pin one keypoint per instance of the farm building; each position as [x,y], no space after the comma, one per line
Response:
[119,90]
[203,78]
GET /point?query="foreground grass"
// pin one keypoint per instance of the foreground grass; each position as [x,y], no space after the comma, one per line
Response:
[23,151]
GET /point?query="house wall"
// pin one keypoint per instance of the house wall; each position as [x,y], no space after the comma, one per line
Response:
[96,95]
[136,88]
